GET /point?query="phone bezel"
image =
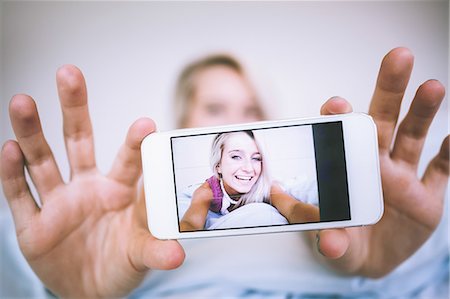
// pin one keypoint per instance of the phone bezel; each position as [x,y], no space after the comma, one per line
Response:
[363,177]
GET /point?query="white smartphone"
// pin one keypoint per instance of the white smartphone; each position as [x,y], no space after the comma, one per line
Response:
[263,177]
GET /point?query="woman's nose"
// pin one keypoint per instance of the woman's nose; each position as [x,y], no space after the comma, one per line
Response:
[247,165]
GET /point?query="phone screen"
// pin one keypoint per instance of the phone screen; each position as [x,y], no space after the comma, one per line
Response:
[262,177]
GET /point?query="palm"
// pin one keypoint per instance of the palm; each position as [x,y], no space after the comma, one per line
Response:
[405,195]
[405,210]
[89,238]
[54,238]
[413,206]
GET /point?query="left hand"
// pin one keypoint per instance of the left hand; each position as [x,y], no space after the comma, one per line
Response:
[89,238]
[413,205]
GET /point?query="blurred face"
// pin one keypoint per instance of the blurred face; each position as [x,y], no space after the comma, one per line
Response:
[222,96]
[241,164]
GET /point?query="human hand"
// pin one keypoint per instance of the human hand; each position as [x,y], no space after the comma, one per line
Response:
[413,206]
[89,239]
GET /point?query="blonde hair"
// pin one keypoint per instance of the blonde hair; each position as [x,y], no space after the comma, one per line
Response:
[185,87]
[260,191]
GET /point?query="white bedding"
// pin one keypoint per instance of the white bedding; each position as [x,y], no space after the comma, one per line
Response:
[256,214]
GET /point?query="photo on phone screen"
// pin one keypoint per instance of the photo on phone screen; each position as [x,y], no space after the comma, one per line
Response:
[261,177]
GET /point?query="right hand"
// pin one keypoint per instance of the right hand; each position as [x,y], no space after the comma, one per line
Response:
[89,238]
[413,205]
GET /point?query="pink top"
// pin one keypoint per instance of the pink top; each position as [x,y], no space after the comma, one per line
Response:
[216,202]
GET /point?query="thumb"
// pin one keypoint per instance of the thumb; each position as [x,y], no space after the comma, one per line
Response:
[332,243]
[127,166]
[336,105]
[147,252]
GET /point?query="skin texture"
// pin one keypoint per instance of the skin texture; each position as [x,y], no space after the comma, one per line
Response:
[293,210]
[93,228]
[195,216]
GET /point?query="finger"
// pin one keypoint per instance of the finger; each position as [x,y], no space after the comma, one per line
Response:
[345,249]
[15,187]
[336,105]
[332,243]
[150,253]
[77,123]
[141,211]
[39,158]
[413,129]
[389,91]
[436,175]
[127,166]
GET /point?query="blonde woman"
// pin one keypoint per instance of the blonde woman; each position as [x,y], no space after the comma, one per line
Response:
[216,90]
[241,177]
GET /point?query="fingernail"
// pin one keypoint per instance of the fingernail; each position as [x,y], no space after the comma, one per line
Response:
[334,98]
[318,243]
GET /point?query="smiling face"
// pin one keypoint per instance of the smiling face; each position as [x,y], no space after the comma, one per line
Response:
[241,163]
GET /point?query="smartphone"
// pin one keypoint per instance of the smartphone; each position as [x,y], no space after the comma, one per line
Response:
[263,177]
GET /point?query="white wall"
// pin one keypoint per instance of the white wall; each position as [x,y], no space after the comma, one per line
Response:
[301,53]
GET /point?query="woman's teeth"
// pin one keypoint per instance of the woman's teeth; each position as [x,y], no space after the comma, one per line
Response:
[244,178]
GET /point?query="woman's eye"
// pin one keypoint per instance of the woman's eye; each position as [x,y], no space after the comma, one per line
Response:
[258,159]
[235,157]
